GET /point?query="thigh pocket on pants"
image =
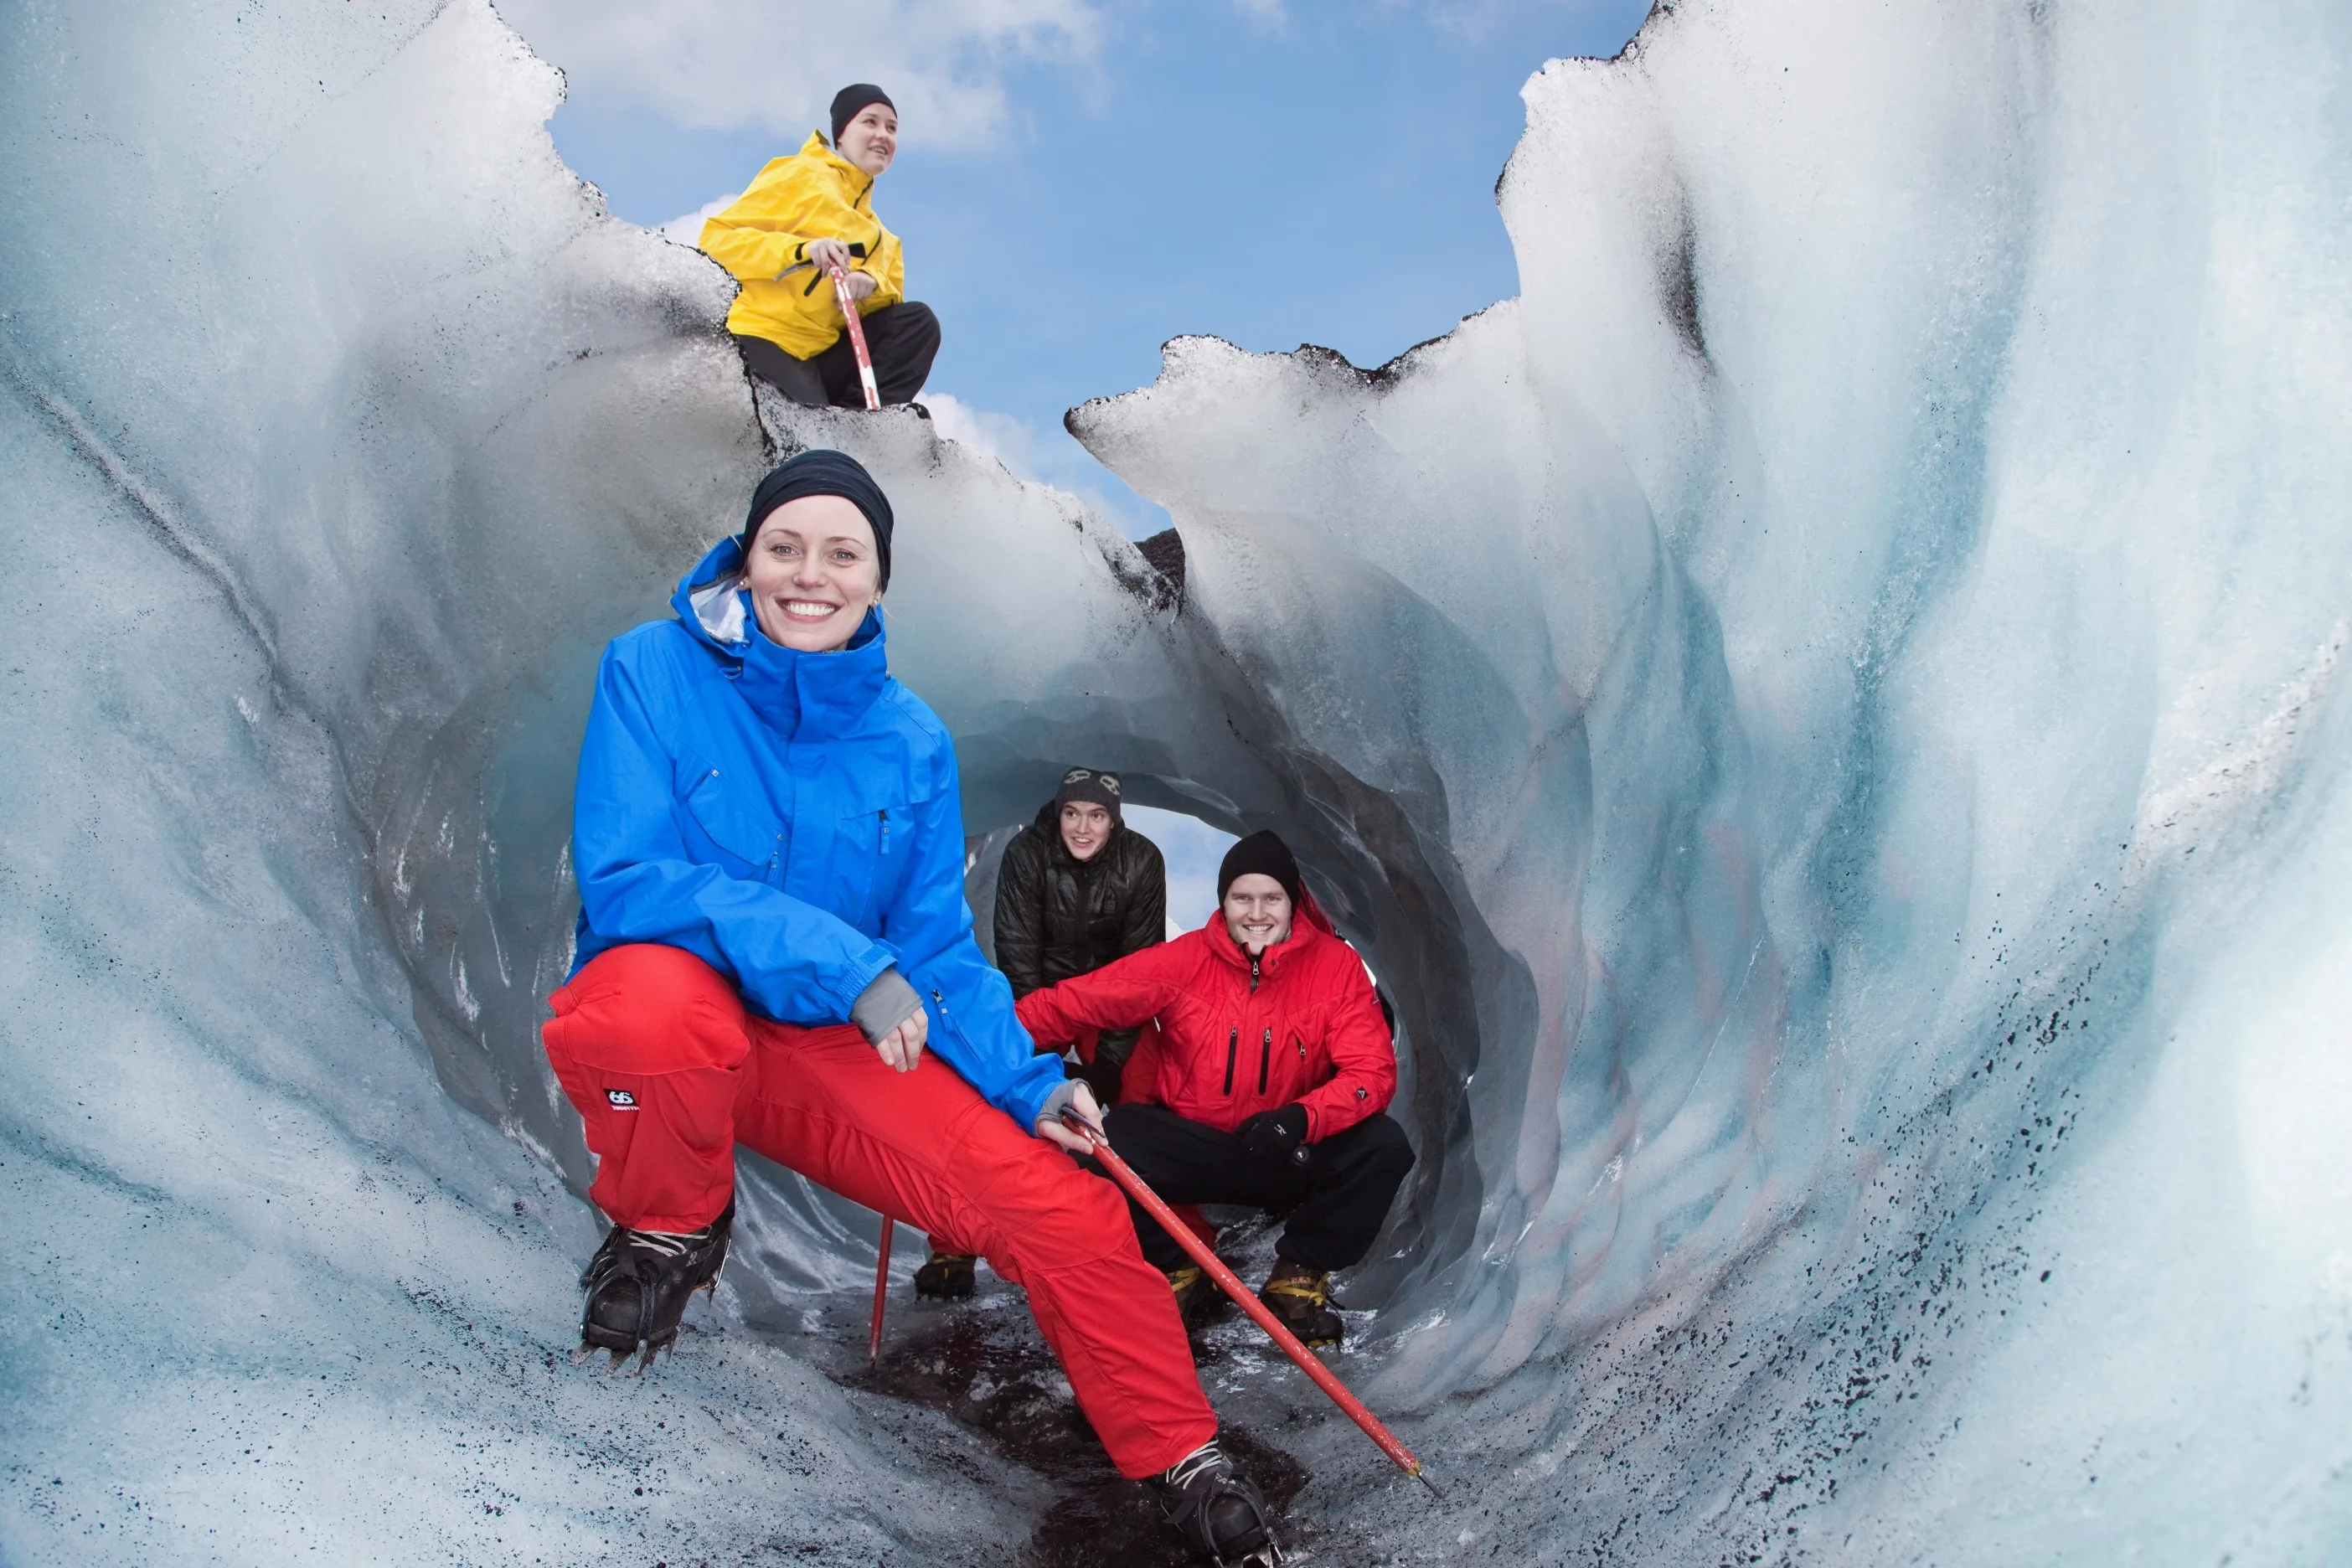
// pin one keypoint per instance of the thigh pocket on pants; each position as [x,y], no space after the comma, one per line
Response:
[692,1112]
[611,1116]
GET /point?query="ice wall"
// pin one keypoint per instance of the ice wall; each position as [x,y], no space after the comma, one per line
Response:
[1824,711]
[338,430]
[1873,606]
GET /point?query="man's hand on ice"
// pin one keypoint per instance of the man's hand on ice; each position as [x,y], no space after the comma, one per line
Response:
[829,254]
[902,1048]
[1082,1106]
[861,284]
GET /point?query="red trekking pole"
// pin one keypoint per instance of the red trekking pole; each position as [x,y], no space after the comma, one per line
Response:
[872,400]
[881,1290]
[1248,1302]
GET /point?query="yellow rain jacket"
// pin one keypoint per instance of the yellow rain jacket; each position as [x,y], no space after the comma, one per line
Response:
[763,237]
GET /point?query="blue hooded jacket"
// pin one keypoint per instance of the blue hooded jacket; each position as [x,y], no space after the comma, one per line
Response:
[793,820]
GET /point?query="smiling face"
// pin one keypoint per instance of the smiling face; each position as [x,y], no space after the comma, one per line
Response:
[870,139]
[813,572]
[1258,911]
[1085,829]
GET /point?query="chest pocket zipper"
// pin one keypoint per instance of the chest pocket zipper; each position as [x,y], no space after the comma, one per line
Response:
[880,885]
[1233,1045]
[1265,1057]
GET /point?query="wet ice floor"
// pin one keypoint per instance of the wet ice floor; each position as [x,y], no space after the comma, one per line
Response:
[983,1364]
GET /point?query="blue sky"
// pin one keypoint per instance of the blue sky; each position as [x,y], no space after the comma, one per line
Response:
[1080,183]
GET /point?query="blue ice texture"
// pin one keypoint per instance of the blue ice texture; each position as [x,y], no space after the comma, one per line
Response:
[1826,712]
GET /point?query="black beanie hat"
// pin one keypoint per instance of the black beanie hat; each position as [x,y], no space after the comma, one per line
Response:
[1089,785]
[1263,854]
[824,472]
[850,100]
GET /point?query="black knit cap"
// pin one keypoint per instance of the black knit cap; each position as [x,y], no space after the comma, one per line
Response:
[1263,854]
[1089,785]
[824,472]
[850,100]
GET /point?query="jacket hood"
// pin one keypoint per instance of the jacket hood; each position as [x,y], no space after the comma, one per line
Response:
[818,148]
[807,696]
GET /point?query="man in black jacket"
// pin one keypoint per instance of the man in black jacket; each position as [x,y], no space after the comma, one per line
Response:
[1078,888]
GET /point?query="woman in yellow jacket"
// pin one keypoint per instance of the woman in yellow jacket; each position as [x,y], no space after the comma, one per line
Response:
[802,215]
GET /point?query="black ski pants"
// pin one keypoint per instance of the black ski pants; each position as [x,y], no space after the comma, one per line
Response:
[1337,1199]
[903,340]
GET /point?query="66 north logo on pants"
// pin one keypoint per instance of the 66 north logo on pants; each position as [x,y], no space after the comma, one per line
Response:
[620,1100]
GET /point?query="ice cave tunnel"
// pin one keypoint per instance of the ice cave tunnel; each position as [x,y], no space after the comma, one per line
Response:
[1849,825]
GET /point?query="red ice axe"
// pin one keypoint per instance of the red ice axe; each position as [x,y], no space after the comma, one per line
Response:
[881,1290]
[1228,1281]
[872,400]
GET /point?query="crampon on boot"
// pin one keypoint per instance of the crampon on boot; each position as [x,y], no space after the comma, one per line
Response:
[1197,1296]
[948,1276]
[1301,1298]
[1217,1509]
[638,1283]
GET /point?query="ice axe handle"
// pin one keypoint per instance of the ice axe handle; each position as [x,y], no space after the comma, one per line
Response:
[857,335]
[881,1291]
[1244,1298]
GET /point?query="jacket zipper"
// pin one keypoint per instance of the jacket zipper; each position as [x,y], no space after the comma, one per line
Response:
[947,1019]
[885,831]
[1234,1040]
[1265,1057]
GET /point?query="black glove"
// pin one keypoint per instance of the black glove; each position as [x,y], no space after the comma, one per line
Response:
[1275,1137]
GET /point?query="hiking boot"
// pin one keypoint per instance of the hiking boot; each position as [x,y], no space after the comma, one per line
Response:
[948,1276]
[1301,1298]
[1216,1509]
[638,1283]
[1196,1295]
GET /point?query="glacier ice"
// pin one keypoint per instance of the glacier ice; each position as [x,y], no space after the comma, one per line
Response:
[1824,712]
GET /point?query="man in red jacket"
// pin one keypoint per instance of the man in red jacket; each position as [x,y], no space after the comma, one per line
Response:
[1276,1071]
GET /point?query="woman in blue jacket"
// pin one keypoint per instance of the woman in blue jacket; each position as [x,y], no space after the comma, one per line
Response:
[774,951]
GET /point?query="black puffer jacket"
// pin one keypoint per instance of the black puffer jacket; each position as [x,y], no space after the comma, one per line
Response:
[1057,918]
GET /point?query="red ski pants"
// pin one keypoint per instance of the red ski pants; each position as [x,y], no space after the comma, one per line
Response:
[670,1073]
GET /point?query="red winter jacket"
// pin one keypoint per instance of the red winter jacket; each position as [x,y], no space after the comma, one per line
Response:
[1237,1038]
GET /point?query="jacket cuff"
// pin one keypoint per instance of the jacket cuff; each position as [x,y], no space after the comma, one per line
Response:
[1056,1101]
[886,1003]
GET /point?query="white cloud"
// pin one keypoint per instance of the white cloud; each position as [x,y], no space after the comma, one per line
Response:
[774,65]
[688,230]
[1000,436]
